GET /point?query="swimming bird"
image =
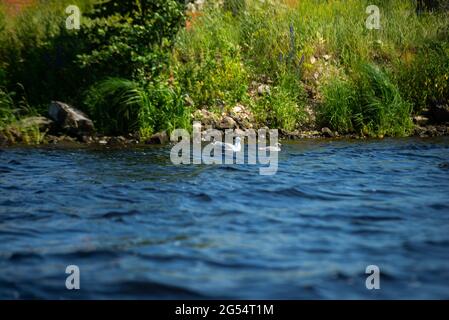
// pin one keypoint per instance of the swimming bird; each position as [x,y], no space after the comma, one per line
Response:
[275,148]
[237,147]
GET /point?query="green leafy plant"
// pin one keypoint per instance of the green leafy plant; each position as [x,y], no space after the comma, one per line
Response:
[119,106]
[368,103]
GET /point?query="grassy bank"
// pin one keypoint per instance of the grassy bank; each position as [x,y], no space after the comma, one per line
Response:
[137,68]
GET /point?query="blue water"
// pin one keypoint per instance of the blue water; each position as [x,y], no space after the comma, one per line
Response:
[139,227]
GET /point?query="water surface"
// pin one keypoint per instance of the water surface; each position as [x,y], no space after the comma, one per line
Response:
[139,227]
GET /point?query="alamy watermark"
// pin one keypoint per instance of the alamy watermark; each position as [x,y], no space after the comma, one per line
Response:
[233,150]
[373,20]
[72,282]
[73,21]
[373,280]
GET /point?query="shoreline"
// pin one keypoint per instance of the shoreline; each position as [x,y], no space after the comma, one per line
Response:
[66,124]
[121,142]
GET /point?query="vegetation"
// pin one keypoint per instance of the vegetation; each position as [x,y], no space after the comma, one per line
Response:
[134,67]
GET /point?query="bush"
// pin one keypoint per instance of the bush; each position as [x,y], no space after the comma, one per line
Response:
[340,99]
[6,109]
[367,103]
[424,76]
[119,106]
[283,107]
[129,38]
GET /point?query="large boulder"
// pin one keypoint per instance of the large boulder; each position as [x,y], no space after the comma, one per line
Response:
[71,120]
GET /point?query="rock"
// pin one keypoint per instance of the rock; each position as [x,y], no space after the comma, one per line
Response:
[42,123]
[291,134]
[226,123]
[66,139]
[158,138]
[70,120]
[263,89]
[238,109]
[117,140]
[327,132]
[87,139]
[239,132]
[242,117]
[51,139]
[206,117]
[420,120]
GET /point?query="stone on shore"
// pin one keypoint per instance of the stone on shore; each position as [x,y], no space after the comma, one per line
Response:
[158,138]
[70,120]
[226,123]
[420,120]
[327,132]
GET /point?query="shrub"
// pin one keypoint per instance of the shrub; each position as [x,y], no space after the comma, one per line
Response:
[129,38]
[424,76]
[119,106]
[283,107]
[339,102]
[368,103]
[6,109]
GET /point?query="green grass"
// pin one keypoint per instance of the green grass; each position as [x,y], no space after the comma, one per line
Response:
[367,103]
[7,115]
[356,77]
[120,106]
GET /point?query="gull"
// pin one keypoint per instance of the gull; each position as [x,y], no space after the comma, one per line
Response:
[229,146]
[275,148]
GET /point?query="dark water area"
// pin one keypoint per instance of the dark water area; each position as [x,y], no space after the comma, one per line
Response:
[140,227]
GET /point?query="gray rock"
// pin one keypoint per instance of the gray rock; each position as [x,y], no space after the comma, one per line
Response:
[117,140]
[226,123]
[158,138]
[263,89]
[327,132]
[71,120]
[420,120]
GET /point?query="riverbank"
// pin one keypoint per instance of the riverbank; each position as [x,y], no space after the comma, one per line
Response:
[40,130]
[308,69]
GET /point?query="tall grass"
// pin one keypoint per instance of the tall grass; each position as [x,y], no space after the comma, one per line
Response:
[356,76]
[7,114]
[368,103]
[120,106]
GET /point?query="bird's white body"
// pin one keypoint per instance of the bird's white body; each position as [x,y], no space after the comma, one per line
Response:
[275,148]
[237,147]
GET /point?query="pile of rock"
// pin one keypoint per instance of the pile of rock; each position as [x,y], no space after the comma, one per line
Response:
[239,117]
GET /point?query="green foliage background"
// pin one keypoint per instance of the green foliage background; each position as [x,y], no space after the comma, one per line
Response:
[133,64]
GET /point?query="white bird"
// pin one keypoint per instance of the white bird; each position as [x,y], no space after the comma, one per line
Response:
[237,147]
[275,148]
